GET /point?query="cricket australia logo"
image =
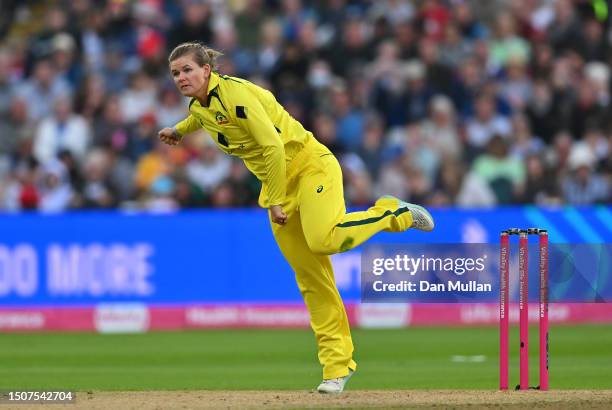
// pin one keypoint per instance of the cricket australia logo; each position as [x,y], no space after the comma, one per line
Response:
[221,119]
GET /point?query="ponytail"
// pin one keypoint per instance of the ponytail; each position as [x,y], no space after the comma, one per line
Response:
[201,54]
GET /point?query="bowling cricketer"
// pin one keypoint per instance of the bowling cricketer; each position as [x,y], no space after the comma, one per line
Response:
[301,188]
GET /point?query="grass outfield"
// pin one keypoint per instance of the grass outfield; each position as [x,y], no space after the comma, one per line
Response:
[413,358]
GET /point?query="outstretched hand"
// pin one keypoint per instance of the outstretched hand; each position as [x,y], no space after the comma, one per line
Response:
[169,136]
[278,215]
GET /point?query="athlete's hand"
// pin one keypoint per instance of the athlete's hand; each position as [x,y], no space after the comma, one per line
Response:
[278,215]
[169,136]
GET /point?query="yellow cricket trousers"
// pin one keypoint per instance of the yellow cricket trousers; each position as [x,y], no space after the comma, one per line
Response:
[318,226]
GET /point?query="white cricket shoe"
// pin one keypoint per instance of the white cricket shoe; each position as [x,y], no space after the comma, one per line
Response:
[420,219]
[334,386]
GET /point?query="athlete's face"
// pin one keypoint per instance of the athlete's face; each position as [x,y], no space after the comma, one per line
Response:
[190,79]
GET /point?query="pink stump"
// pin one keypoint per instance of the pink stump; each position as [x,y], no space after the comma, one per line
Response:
[524,310]
[543,310]
[503,310]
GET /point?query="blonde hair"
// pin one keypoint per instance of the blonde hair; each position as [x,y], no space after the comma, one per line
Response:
[201,54]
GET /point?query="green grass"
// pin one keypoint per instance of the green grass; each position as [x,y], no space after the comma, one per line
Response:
[413,358]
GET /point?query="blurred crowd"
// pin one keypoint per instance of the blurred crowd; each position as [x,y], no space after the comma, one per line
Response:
[456,102]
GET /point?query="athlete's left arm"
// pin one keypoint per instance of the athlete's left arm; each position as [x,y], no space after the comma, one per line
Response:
[251,116]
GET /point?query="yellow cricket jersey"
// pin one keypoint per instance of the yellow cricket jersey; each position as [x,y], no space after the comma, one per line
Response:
[246,121]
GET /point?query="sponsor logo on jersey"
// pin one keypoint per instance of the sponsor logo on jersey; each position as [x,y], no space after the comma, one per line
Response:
[221,119]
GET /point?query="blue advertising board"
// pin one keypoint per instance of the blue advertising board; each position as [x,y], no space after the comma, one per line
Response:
[216,256]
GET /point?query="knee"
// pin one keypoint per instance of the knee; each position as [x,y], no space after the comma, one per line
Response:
[319,245]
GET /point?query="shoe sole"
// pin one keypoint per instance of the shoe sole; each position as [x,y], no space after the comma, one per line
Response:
[423,212]
[348,377]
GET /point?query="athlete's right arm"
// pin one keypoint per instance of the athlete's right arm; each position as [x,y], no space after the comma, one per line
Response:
[188,125]
[169,136]
[172,136]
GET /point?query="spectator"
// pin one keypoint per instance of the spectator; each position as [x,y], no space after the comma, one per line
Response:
[350,120]
[395,11]
[21,191]
[434,16]
[467,86]
[372,147]
[582,186]
[152,166]
[587,111]
[359,185]
[15,127]
[194,25]
[55,192]
[390,93]
[110,129]
[187,194]
[223,195]
[324,127]
[440,129]
[470,28]
[291,68]
[90,98]
[419,91]
[248,21]
[540,111]
[424,158]
[242,60]
[63,130]
[160,196]
[270,49]
[523,142]
[542,61]
[119,175]
[541,185]
[352,49]
[447,183]
[516,87]
[485,124]
[507,44]
[142,137]
[406,39]
[75,177]
[44,87]
[98,191]
[565,31]
[309,41]
[63,56]
[454,49]
[244,185]
[593,47]
[394,173]
[92,39]
[439,76]
[209,168]
[139,98]
[115,69]
[504,174]
[41,44]
[475,192]
[6,83]
[172,108]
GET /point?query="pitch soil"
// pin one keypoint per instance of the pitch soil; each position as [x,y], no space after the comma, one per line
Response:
[393,399]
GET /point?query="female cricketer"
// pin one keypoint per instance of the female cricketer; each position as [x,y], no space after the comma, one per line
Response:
[301,188]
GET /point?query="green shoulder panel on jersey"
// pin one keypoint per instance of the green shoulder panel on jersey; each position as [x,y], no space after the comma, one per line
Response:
[227,77]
